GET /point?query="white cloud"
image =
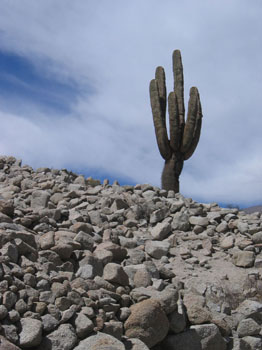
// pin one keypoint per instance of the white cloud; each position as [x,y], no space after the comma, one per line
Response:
[114,47]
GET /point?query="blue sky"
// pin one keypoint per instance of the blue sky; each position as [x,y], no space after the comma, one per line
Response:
[22,80]
[74,80]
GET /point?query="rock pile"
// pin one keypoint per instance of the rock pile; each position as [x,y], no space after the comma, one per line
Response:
[85,265]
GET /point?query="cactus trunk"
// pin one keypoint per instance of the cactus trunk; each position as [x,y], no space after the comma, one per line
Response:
[171,172]
[184,137]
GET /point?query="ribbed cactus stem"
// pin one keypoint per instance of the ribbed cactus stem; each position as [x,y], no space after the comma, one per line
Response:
[184,137]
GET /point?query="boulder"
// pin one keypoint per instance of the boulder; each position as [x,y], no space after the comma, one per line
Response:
[147,322]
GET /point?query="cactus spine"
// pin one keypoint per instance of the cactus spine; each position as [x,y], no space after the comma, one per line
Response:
[184,136]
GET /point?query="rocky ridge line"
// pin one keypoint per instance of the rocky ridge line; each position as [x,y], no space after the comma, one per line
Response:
[85,265]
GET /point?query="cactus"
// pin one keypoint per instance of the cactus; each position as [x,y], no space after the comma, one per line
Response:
[184,136]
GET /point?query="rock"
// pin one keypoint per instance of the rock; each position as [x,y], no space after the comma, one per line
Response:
[40,199]
[47,240]
[6,345]
[180,222]
[249,309]
[161,231]
[10,332]
[118,252]
[64,250]
[250,343]
[222,227]
[100,341]
[157,216]
[244,258]
[49,323]
[227,242]
[84,326]
[64,338]
[75,255]
[3,312]
[198,220]
[167,298]
[157,249]
[210,337]
[134,344]
[257,237]
[7,207]
[248,327]
[82,226]
[196,311]
[9,299]
[113,328]
[85,239]
[142,278]
[147,322]
[114,273]
[86,271]
[31,333]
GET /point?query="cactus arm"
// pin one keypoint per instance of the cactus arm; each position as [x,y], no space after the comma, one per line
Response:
[197,131]
[179,84]
[191,120]
[159,121]
[174,124]
[161,81]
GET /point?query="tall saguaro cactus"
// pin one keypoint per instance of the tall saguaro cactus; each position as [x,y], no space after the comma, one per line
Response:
[184,136]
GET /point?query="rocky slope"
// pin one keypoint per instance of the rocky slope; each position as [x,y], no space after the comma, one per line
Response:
[85,265]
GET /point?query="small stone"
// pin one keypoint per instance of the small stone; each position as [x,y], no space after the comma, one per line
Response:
[10,250]
[31,333]
[257,237]
[39,199]
[161,231]
[250,343]
[113,328]
[21,306]
[196,311]
[9,299]
[6,345]
[64,250]
[49,323]
[157,249]
[210,337]
[248,327]
[13,316]
[84,326]
[85,239]
[142,278]
[198,220]
[227,242]
[64,338]
[116,274]
[3,312]
[63,303]
[222,227]
[244,258]
[47,240]
[157,216]
[100,341]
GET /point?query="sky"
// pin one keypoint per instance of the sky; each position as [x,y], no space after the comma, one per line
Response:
[74,89]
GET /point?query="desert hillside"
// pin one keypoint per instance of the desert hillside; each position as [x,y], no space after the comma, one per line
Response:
[85,265]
